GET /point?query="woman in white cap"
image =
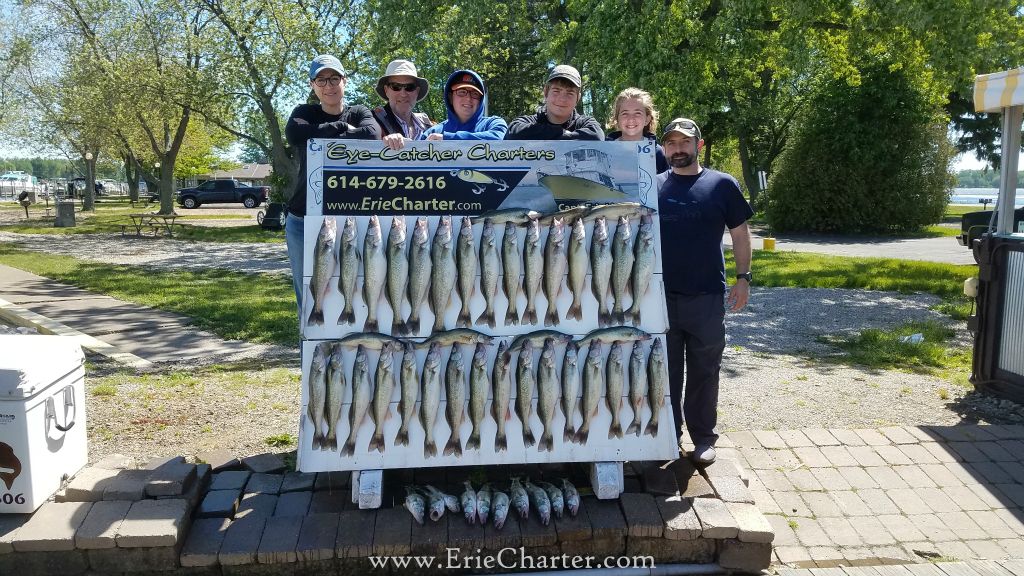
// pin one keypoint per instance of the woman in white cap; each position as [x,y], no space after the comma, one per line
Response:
[331,118]
[402,87]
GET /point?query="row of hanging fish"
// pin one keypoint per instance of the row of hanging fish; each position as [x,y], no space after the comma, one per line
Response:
[480,505]
[425,271]
[577,390]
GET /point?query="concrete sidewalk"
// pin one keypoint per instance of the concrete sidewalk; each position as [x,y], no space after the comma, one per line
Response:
[945,249]
[129,333]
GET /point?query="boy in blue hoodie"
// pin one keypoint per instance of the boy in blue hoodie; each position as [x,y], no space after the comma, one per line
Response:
[465,98]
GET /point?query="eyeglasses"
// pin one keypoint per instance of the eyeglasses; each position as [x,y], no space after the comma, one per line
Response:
[332,80]
[399,86]
[467,93]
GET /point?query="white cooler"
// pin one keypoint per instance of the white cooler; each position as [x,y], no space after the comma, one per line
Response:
[42,418]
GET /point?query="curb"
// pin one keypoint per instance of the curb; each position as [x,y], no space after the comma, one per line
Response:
[21,316]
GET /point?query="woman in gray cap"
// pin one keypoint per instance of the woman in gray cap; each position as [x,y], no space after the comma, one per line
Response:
[403,89]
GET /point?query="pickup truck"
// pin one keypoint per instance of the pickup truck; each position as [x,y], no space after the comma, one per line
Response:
[220,191]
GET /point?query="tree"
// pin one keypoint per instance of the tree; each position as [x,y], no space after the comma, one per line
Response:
[867,157]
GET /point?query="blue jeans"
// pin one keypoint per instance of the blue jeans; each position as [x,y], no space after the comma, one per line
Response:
[293,235]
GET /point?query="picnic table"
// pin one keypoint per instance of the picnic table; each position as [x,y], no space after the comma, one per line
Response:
[156,222]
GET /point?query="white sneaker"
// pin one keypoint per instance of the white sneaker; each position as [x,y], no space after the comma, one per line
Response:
[703,454]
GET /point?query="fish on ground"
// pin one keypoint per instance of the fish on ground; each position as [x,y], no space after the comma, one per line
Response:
[539,501]
[593,387]
[614,381]
[479,386]
[335,391]
[657,382]
[637,386]
[601,269]
[556,498]
[435,502]
[533,270]
[520,499]
[348,261]
[483,503]
[500,503]
[510,273]
[577,266]
[419,274]
[430,398]
[570,391]
[524,392]
[409,384]
[622,268]
[490,268]
[469,502]
[324,260]
[397,274]
[502,384]
[416,504]
[375,267]
[442,272]
[360,400]
[643,266]
[547,394]
[572,497]
[318,391]
[455,409]
[465,263]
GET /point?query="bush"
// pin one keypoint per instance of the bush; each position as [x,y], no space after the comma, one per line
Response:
[872,157]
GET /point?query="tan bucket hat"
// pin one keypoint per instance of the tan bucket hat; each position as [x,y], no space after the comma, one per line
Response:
[403,68]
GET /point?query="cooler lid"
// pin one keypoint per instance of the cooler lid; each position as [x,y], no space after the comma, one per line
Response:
[29,363]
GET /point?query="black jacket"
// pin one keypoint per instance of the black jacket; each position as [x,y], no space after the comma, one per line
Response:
[389,122]
[354,122]
[538,127]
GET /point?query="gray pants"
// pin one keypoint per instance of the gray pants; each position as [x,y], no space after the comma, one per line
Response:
[696,340]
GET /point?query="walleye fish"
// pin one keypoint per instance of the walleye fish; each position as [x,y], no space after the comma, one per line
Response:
[324,261]
[430,398]
[465,263]
[622,267]
[657,382]
[348,260]
[593,386]
[469,503]
[520,499]
[490,267]
[539,501]
[533,270]
[398,273]
[317,391]
[442,273]
[570,391]
[335,392]
[409,382]
[415,504]
[555,496]
[457,336]
[360,400]
[514,216]
[601,269]
[510,273]
[375,268]
[479,386]
[572,497]
[554,269]
[369,340]
[502,394]
[577,265]
[455,387]
[500,503]
[619,209]
[615,334]
[547,394]
[637,386]
[537,337]
[614,382]
[643,265]
[483,503]
[435,501]
[381,404]
[524,392]
[419,273]
[567,215]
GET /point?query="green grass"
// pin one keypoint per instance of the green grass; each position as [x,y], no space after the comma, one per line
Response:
[283,440]
[253,307]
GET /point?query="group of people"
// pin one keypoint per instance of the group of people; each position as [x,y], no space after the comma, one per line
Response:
[695,204]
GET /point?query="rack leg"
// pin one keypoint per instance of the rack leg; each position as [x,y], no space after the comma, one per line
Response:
[606,478]
[367,488]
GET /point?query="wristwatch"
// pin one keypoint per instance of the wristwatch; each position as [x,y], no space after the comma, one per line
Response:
[746,276]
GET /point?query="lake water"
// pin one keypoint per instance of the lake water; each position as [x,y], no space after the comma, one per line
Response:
[973,195]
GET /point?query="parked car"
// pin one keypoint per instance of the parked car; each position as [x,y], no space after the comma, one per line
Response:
[214,191]
[974,224]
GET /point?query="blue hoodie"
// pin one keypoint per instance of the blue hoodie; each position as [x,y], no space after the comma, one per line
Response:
[479,127]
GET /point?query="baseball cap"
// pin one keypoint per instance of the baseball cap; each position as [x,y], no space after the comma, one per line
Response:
[565,71]
[684,126]
[466,80]
[325,62]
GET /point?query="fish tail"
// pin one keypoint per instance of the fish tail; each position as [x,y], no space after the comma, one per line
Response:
[454,445]
[582,435]
[412,325]
[464,319]
[634,427]
[429,449]
[377,443]
[438,324]
[348,316]
[576,310]
[316,317]
[615,431]
[528,438]
[474,441]
[634,313]
[530,315]
[652,428]
[551,318]
[500,442]
[568,433]
[547,442]
[512,316]
[402,439]
[487,317]
[398,327]
[370,326]
[349,448]
[318,440]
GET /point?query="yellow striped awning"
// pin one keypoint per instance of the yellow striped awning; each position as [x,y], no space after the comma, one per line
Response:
[993,92]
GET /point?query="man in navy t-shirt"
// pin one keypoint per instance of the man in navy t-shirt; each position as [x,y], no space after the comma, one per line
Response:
[696,205]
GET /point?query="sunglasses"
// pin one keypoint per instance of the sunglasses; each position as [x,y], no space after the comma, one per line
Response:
[399,86]
[464,92]
[332,80]
[685,125]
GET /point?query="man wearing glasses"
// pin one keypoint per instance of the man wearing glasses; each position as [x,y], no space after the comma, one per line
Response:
[695,205]
[557,119]
[403,89]
[328,119]
[465,98]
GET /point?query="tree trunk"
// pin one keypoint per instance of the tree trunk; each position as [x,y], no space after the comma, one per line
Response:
[749,170]
[132,176]
[167,184]
[89,194]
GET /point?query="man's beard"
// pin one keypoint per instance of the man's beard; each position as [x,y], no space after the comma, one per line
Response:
[681,160]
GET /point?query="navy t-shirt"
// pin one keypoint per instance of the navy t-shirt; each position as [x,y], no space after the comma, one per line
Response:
[694,213]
